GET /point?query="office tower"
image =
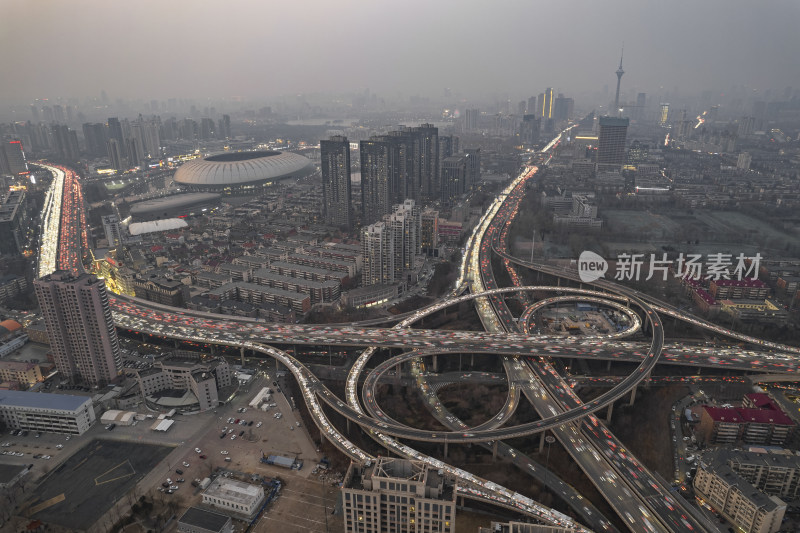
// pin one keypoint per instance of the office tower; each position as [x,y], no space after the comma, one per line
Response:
[664,115]
[150,138]
[531,109]
[12,159]
[426,159]
[376,249]
[80,327]
[398,495]
[115,156]
[619,74]
[611,140]
[454,177]
[336,195]
[473,168]
[47,114]
[562,109]
[111,227]
[546,103]
[521,108]
[471,117]
[376,199]
[115,131]
[35,113]
[96,137]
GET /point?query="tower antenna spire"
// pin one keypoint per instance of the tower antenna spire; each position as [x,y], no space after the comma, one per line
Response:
[619,73]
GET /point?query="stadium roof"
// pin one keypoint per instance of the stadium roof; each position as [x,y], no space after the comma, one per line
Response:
[173,201]
[232,169]
[42,400]
[154,226]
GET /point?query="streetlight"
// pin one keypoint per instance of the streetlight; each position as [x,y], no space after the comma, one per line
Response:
[549,440]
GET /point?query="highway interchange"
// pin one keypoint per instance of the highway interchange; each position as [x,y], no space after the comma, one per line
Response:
[643,501]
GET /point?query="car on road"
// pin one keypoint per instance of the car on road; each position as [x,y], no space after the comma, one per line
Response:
[198,450]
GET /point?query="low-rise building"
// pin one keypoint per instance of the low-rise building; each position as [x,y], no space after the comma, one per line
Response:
[21,372]
[196,520]
[51,413]
[236,497]
[187,372]
[720,425]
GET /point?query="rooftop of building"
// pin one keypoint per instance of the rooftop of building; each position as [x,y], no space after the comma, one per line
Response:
[42,400]
[234,491]
[206,520]
[746,282]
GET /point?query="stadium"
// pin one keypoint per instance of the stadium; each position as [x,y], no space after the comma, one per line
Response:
[241,172]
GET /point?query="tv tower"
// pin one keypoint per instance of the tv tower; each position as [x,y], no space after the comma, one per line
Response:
[620,72]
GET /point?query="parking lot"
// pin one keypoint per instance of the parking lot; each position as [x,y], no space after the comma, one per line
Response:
[82,488]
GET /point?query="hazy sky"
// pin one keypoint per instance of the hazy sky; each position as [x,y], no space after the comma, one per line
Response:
[264,48]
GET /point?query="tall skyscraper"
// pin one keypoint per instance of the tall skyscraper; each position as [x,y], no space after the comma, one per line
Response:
[664,115]
[531,109]
[611,141]
[390,246]
[398,495]
[336,195]
[619,74]
[112,230]
[376,199]
[79,326]
[563,108]
[426,158]
[66,142]
[115,131]
[529,129]
[376,248]
[546,103]
[96,136]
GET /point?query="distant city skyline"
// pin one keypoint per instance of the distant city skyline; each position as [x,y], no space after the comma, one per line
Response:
[260,51]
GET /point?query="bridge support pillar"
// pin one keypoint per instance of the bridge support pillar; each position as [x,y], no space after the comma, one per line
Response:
[633,395]
[494,452]
[609,413]
[177,344]
[213,349]
[435,363]
[241,354]
[541,441]
[608,365]
[445,449]
[472,360]
[348,425]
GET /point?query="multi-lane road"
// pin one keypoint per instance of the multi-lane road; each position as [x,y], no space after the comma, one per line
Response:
[641,500]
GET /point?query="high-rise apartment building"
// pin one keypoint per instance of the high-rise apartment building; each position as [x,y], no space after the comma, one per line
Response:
[390,246]
[336,193]
[473,168]
[376,186]
[563,108]
[611,141]
[96,137]
[471,119]
[454,177]
[112,229]
[429,229]
[426,159]
[80,326]
[397,496]
[115,156]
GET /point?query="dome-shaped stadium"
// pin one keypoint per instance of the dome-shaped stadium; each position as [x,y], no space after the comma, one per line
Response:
[237,171]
